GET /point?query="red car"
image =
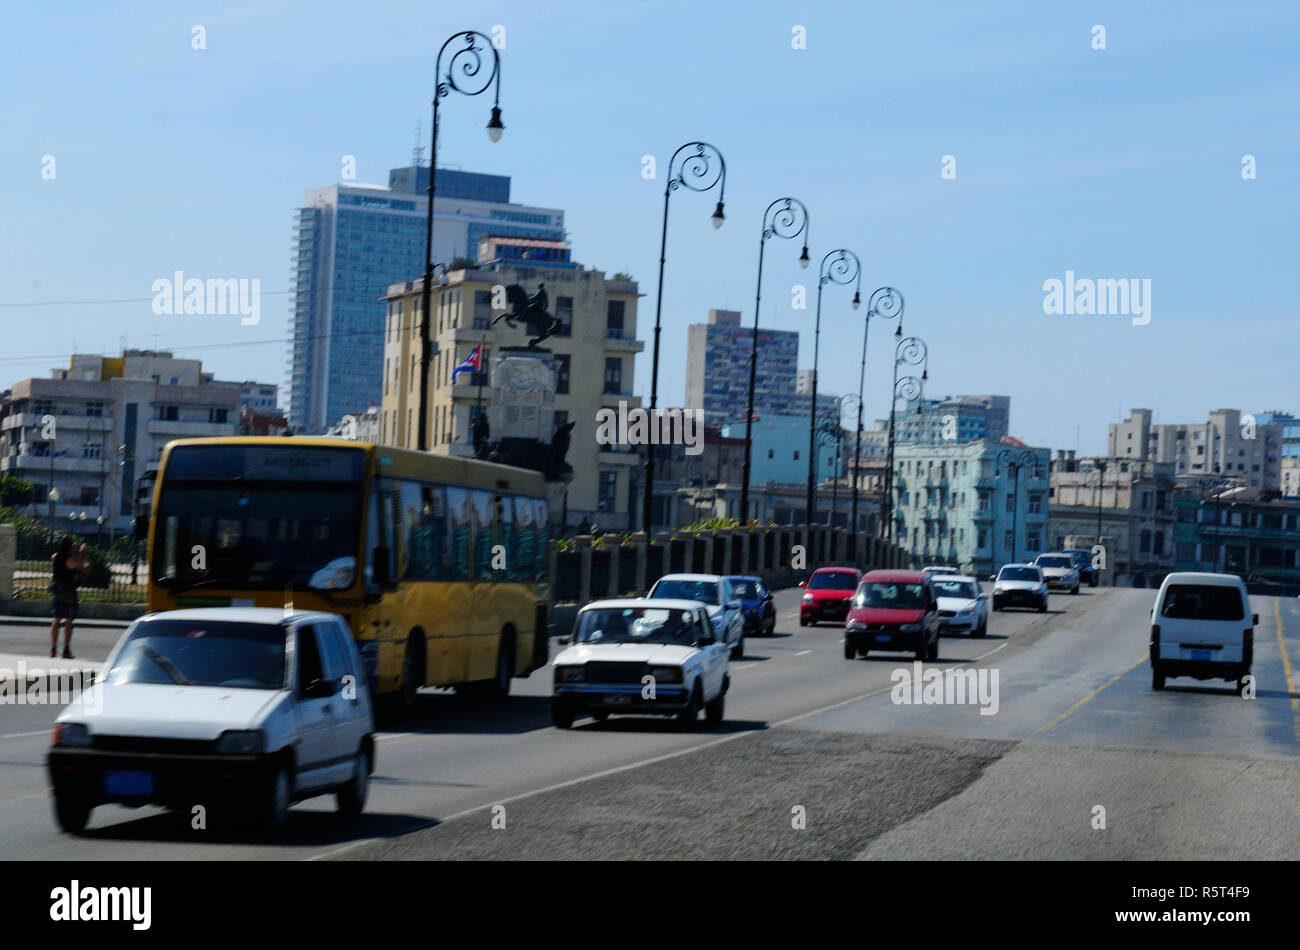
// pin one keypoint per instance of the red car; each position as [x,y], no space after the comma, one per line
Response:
[895,611]
[827,594]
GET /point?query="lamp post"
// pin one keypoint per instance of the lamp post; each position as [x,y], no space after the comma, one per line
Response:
[910,351]
[464,74]
[784,218]
[828,434]
[1016,459]
[1101,484]
[885,302]
[1216,484]
[840,266]
[692,166]
[847,402]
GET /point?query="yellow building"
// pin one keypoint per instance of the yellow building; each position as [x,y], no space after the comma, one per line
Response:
[594,351]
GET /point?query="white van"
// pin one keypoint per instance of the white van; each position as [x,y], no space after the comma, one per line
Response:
[1201,626]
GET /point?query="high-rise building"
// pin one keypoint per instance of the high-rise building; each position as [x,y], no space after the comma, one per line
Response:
[86,435]
[1228,445]
[1290,430]
[717,371]
[351,243]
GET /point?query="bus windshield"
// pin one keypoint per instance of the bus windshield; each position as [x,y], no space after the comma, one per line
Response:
[236,516]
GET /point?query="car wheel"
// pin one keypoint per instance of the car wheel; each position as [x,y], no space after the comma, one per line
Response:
[738,650]
[1042,607]
[850,651]
[1157,678]
[351,798]
[689,716]
[771,629]
[1074,589]
[275,807]
[715,709]
[71,812]
[933,653]
[983,628]
[561,715]
[996,605]
[803,621]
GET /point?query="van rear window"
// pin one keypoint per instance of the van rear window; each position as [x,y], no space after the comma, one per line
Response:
[1203,602]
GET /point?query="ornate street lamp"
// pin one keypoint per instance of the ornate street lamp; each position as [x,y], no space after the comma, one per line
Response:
[698,166]
[910,351]
[784,218]
[467,73]
[886,303]
[1016,459]
[840,266]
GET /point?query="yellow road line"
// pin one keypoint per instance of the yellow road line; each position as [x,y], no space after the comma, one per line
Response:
[1093,695]
[1286,665]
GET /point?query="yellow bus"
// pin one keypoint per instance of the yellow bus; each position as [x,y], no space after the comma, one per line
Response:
[439,564]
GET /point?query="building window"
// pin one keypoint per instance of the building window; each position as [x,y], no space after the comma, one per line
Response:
[1035,506]
[983,541]
[43,407]
[614,319]
[91,450]
[89,496]
[169,413]
[608,490]
[564,313]
[771,453]
[1032,541]
[613,375]
[95,409]
[796,455]
[1008,540]
[561,374]
[217,416]
[1011,502]
[1158,544]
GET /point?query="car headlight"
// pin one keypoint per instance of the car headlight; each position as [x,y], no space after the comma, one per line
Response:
[966,611]
[241,742]
[70,735]
[855,625]
[909,628]
[807,598]
[570,674]
[666,674]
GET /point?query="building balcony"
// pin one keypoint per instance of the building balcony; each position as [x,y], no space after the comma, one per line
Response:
[193,428]
[616,340]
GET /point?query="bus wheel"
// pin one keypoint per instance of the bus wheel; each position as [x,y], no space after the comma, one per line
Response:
[412,678]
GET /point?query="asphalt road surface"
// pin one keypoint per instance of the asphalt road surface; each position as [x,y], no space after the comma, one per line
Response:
[816,759]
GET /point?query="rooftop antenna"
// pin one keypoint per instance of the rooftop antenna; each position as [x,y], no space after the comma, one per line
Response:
[417,150]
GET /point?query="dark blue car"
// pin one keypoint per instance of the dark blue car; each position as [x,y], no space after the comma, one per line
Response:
[756,603]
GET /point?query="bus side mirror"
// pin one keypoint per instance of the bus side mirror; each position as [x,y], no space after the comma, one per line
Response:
[379,566]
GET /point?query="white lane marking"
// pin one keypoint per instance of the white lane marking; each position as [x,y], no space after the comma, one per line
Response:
[23,735]
[990,653]
[605,773]
[803,653]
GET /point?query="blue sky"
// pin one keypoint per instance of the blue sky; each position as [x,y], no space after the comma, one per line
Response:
[1116,163]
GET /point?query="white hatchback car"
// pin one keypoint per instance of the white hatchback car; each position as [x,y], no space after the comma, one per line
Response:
[1201,626]
[641,656]
[718,594]
[229,706]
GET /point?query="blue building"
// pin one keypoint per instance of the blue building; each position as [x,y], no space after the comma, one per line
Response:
[780,452]
[351,243]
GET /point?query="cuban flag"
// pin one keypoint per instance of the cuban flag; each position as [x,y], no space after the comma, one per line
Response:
[472,362]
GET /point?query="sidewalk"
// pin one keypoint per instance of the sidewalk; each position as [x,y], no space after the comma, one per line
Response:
[10,620]
[13,664]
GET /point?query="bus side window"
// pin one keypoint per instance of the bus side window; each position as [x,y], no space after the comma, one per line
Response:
[542,534]
[379,531]
[483,534]
[459,530]
[508,539]
[522,551]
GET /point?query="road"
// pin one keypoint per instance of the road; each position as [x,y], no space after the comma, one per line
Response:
[1081,760]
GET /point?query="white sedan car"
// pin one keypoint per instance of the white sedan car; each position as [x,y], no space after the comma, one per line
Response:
[228,706]
[963,608]
[718,594]
[641,656]
[1059,570]
[1020,585]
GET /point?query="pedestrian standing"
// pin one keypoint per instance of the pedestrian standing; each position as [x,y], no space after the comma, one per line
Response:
[66,566]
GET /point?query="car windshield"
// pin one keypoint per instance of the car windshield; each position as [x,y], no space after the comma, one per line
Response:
[1203,602]
[1061,561]
[956,589]
[202,653]
[744,590]
[890,595]
[636,625]
[1018,574]
[706,592]
[832,580]
[1081,557]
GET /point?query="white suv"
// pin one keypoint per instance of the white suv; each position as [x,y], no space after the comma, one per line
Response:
[641,656]
[229,706]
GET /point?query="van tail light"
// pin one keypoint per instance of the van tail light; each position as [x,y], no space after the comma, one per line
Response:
[1155,641]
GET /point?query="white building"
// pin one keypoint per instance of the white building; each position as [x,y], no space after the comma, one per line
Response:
[1227,444]
[86,435]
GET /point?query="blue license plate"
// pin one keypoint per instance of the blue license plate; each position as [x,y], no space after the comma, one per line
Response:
[883,638]
[1201,655]
[128,783]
